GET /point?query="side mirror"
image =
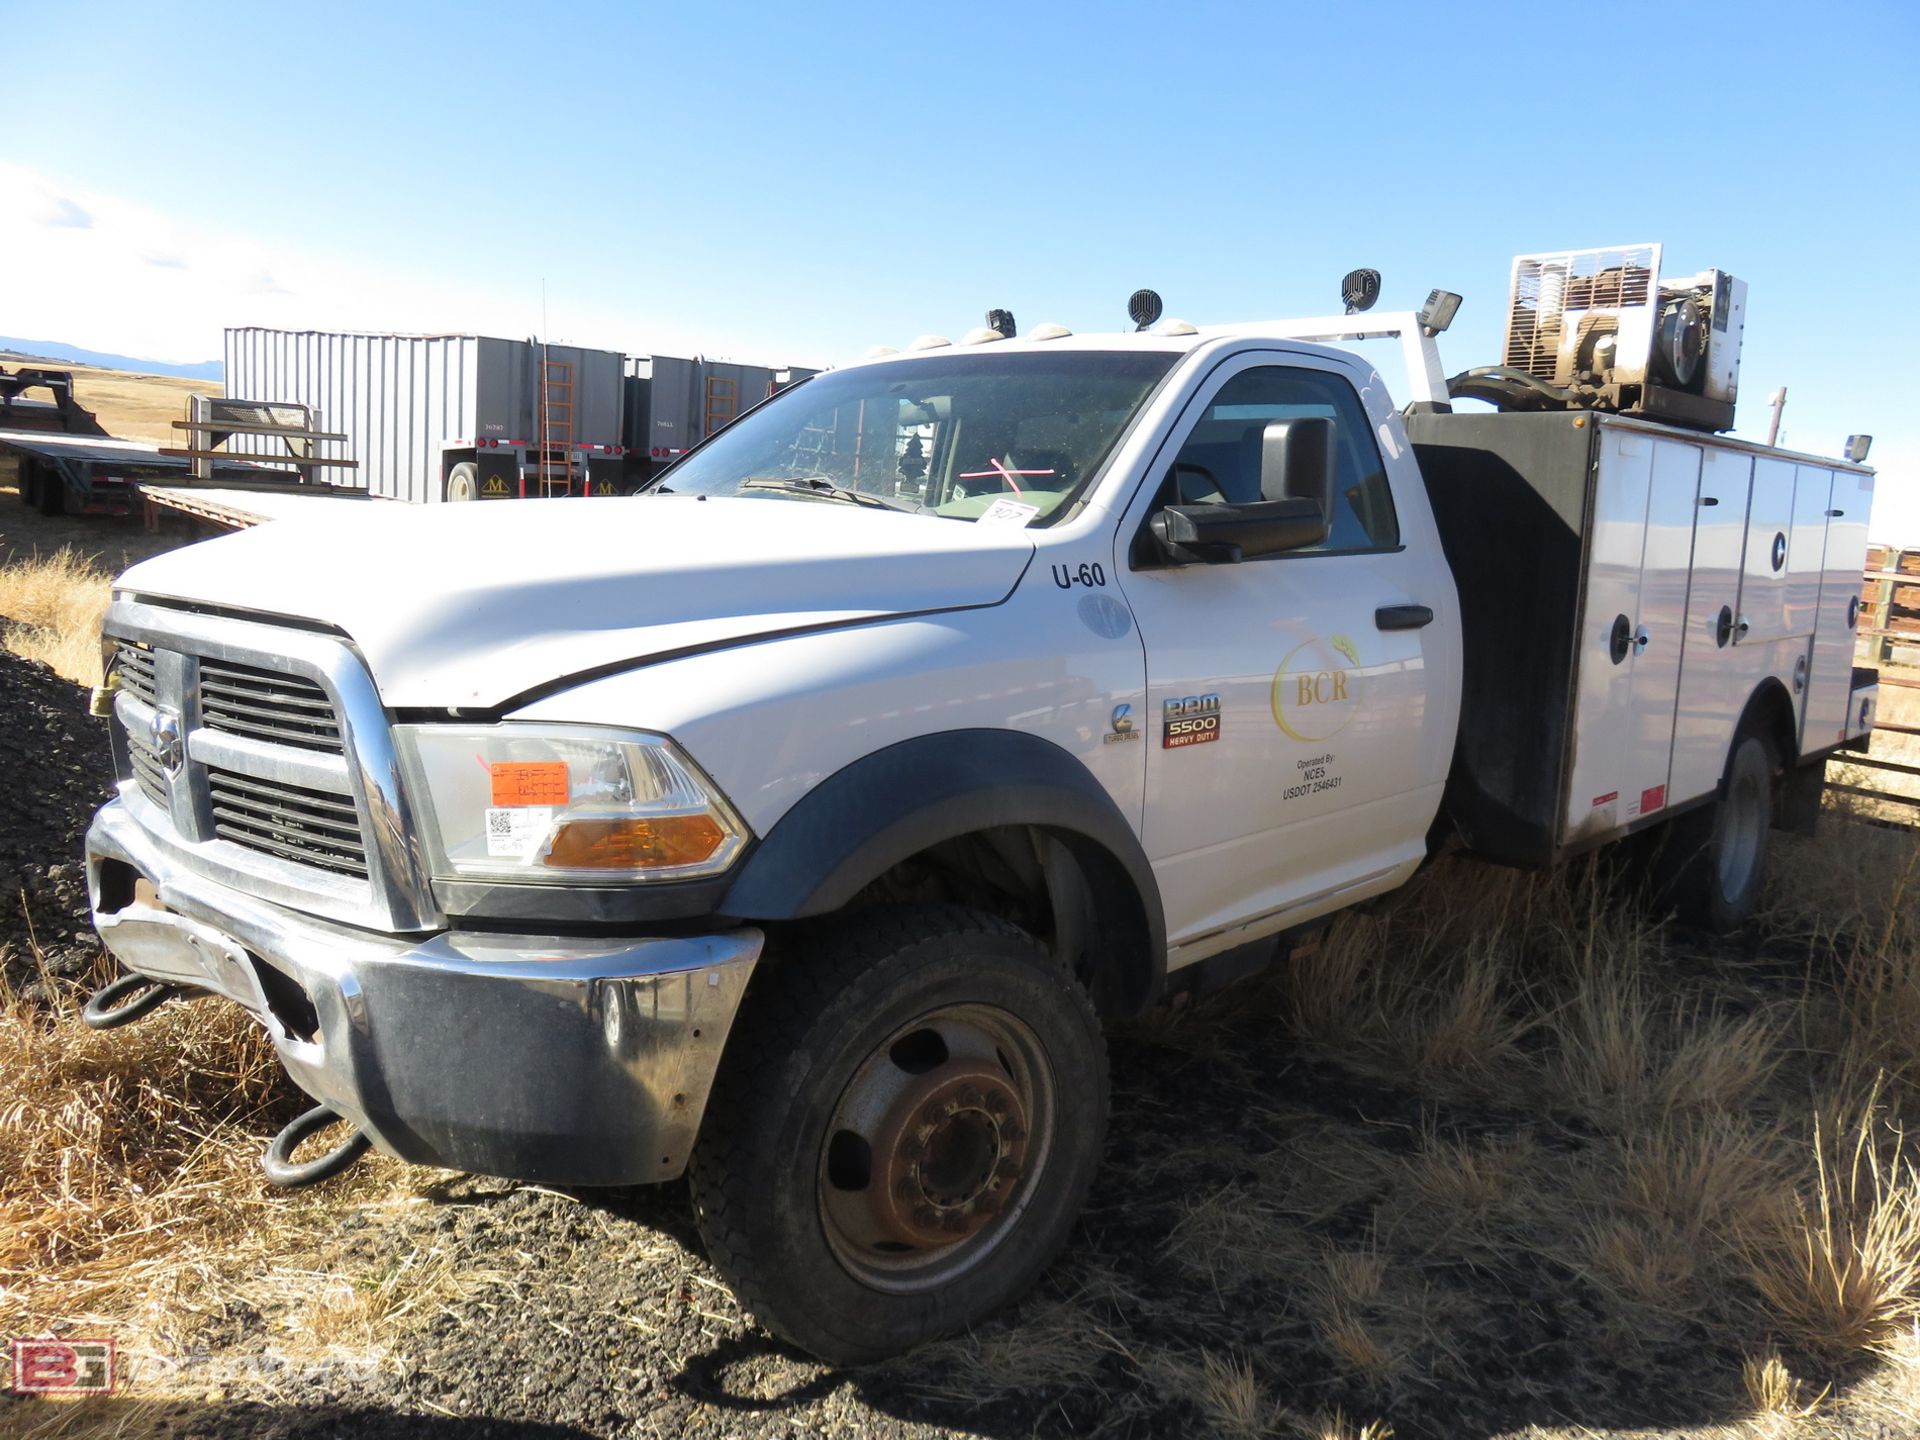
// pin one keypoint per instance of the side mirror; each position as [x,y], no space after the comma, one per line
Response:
[1296,462]
[1227,534]
[1293,512]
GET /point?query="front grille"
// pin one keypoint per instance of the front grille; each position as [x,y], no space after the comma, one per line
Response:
[266,705]
[146,768]
[134,665]
[309,827]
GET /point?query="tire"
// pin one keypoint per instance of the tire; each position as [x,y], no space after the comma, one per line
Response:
[463,482]
[1712,868]
[50,496]
[903,1131]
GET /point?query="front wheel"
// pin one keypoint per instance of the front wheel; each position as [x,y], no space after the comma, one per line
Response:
[1713,864]
[903,1131]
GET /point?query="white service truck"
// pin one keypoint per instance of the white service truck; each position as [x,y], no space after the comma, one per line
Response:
[796,824]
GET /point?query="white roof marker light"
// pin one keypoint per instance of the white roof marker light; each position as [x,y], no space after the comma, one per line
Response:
[1048,331]
[1176,327]
[929,342]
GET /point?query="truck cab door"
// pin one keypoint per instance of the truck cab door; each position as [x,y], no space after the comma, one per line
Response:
[1299,722]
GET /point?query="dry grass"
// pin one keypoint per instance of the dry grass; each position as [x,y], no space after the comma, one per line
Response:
[131,1197]
[1705,1142]
[1837,1263]
[51,608]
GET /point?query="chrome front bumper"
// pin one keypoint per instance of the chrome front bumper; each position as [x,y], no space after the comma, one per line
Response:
[571,1061]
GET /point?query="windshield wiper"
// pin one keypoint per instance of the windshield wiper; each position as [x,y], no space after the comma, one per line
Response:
[825,489]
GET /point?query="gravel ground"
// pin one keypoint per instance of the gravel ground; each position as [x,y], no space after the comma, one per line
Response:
[58,771]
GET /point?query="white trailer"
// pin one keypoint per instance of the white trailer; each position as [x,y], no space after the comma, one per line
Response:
[448,417]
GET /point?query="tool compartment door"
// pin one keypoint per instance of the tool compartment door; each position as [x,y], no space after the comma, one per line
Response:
[1806,546]
[1836,626]
[1660,626]
[1763,572]
[1711,697]
[1597,776]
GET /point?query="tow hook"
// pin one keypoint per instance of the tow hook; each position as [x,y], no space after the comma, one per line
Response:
[123,1001]
[277,1160]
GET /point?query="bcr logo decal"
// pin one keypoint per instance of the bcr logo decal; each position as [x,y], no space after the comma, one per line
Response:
[1316,690]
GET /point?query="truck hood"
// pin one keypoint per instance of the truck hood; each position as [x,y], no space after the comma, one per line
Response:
[474,605]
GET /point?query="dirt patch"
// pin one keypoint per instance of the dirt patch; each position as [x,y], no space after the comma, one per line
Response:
[58,771]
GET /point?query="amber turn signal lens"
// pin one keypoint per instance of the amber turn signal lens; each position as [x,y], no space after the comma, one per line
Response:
[658,842]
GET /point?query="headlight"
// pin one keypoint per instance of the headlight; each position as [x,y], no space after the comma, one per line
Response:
[559,803]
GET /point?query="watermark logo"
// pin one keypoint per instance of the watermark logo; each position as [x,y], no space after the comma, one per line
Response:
[62,1367]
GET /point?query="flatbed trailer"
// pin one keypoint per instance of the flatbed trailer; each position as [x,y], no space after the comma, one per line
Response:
[241,508]
[99,474]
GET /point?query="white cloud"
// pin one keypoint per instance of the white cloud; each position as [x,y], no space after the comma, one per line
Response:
[63,214]
[1896,495]
[112,275]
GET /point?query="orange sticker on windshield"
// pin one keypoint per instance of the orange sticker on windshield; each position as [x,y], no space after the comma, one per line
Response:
[529,782]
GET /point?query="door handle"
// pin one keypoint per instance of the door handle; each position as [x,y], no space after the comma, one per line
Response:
[1402,617]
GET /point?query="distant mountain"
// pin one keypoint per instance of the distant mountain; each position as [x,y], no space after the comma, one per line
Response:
[54,350]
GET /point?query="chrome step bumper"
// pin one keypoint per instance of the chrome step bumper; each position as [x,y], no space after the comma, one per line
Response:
[569,1061]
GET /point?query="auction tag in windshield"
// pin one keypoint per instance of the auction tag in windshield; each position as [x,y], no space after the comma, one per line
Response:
[516,831]
[1007,512]
[529,782]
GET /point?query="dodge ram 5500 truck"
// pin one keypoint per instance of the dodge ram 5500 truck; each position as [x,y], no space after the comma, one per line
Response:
[796,825]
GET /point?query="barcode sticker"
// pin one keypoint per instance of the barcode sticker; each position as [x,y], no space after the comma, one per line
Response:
[529,782]
[516,832]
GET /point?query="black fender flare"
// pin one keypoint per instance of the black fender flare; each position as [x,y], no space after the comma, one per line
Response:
[892,804]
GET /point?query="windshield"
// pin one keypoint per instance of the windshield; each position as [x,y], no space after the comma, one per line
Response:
[1014,438]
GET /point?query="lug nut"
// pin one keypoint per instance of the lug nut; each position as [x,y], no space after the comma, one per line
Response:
[925,1216]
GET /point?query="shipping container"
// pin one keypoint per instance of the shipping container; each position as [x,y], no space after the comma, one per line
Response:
[436,417]
[673,404]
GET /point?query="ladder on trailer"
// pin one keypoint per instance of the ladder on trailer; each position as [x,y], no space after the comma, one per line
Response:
[553,463]
[723,402]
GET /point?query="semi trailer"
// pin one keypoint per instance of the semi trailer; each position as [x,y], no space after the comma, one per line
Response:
[472,417]
[796,825]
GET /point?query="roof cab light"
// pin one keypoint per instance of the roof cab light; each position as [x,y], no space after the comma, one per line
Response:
[929,342]
[1048,331]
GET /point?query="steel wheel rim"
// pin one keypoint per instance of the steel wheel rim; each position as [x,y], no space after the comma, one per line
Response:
[1739,847]
[952,1119]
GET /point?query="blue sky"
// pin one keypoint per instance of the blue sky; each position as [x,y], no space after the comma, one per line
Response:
[796,183]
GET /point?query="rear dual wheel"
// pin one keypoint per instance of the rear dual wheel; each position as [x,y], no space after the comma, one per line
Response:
[1713,860]
[903,1131]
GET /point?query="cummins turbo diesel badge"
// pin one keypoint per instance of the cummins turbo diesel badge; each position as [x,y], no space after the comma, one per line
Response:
[1190,720]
